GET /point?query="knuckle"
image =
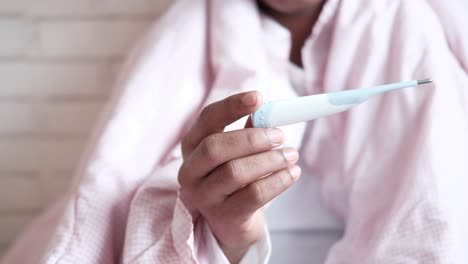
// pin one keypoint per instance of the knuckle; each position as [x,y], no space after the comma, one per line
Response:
[205,114]
[210,148]
[234,171]
[185,145]
[232,104]
[284,179]
[254,139]
[233,139]
[182,177]
[257,193]
[274,157]
[255,163]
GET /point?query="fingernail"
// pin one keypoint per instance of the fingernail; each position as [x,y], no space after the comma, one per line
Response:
[250,99]
[295,172]
[275,136]
[291,154]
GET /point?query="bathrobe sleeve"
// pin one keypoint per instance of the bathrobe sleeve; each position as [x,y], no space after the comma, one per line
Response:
[160,229]
[396,168]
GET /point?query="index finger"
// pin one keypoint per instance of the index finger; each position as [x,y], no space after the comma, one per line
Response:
[216,116]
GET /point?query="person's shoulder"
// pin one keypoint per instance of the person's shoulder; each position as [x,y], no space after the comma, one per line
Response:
[397,32]
[415,16]
[406,21]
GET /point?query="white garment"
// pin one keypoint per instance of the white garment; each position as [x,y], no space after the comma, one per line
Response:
[300,228]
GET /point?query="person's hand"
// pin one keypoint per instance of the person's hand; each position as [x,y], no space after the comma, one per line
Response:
[229,176]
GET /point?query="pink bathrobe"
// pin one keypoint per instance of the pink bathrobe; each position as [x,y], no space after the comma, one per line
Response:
[395,168]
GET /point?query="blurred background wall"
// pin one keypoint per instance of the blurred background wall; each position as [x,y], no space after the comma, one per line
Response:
[58,59]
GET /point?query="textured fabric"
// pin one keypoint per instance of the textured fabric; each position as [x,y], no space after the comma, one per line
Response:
[301,228]
[394,169]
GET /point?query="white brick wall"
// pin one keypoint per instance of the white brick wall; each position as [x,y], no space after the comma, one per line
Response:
[58,60]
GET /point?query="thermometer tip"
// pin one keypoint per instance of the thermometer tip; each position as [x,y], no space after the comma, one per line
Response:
[424,81]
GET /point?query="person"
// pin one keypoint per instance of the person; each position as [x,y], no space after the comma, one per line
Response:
[177,173]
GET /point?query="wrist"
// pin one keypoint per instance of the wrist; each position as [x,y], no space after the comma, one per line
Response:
[234,255]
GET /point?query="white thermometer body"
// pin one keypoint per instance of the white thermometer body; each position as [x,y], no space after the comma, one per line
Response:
[306,108]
